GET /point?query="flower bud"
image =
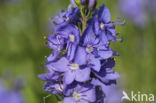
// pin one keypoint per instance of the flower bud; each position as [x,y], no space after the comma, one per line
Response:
[92,3]
[88,3]
[73,2]
[83,2]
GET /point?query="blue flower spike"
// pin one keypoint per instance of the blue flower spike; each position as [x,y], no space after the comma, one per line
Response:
[80,68]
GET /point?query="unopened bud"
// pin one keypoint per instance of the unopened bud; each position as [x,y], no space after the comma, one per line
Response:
[73,2]
[87,3]
[92,4]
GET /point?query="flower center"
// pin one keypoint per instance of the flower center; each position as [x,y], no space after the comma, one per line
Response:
[72,37]
[50,44]
[59,87]
[67,18]
[59,48]
[102,25]
[76,96]
[89,49]
[74,66]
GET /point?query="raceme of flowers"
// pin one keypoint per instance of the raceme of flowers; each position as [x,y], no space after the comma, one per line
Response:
[80,68]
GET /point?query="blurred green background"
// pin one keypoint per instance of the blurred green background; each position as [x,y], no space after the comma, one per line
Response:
[24,23]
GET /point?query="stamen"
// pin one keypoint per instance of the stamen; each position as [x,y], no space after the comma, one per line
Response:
[67,18]
[76,96]
[102,25]
[74,66]
[72,37]
[89,49]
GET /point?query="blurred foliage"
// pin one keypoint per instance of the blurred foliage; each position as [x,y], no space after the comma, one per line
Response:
[23,23]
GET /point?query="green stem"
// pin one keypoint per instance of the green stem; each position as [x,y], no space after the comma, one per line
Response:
[84,24]
[83,20]
[59,102]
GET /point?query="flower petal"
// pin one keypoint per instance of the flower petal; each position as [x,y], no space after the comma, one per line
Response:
[91,3]
[107,74]
[90,95]
[90,36]
[109,63]
[81,56]
[71,51]
[112,30]
[104,14]
[55,42]
[104,38]
[53,56]
[61,65]
[67,30]
[83,101]
[112,93]
[69,100]
[96,26]
[112,76]
[52,87]
[82,75]
[111,37]
[46,76]
[105,54]
[69,77]
[73,2]
[52,75]
[94,62]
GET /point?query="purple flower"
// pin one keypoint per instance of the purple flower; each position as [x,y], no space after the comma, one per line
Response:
[72,70]
[50,76]
[72,35]
[65,17]
[73,2]
[99,28]
[94,45]
[89,3]
[106,74]
[93,62]
[134,10]
[56,43]
[53,56]
[81,94]
[103,27]
[68,34]
[94,49]
[53,87]
[111,92]
[11,96]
